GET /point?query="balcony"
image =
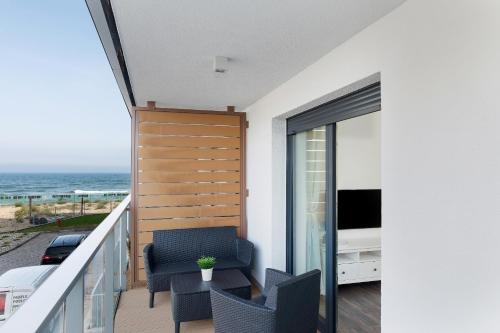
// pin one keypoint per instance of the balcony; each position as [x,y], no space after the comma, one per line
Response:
[254,141]
[87,293]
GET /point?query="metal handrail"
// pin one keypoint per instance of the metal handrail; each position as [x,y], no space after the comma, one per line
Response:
[44,303]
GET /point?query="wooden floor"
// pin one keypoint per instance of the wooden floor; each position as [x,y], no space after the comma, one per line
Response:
[359,308]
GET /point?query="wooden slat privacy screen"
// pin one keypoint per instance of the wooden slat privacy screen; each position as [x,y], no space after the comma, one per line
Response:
[189,173]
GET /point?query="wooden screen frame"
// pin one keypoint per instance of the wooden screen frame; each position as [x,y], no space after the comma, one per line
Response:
[134,264]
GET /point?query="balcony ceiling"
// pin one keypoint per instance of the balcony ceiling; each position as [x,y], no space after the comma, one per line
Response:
[169,46]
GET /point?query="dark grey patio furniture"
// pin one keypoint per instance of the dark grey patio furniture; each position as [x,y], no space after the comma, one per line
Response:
[288,305]
[190,295]
[176,251]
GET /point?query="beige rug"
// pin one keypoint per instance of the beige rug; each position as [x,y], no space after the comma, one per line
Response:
[135,316]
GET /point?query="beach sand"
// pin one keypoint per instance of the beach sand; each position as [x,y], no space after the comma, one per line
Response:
[8,222]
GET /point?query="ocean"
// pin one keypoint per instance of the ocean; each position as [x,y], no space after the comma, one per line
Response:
[47,187]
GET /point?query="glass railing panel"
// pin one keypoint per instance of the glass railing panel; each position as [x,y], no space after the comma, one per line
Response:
[116,262]
[56,323]
[80,295]
[93,303]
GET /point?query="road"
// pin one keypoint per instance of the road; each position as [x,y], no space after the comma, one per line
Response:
[29,253]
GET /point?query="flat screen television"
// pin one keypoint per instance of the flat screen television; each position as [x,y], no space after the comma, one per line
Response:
[359,209]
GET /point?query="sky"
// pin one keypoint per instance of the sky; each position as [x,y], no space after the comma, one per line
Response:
[60,107]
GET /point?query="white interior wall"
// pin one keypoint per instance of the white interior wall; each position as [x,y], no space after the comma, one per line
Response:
[358,153]
[439,63]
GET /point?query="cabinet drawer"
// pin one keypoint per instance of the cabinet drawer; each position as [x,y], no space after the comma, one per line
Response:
[347,272]
[370,269]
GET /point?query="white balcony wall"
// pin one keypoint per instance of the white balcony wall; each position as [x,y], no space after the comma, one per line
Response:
[440,64]
[358,153]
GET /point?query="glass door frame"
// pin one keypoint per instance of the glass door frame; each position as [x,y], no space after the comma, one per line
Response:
[329,323]
[358,103]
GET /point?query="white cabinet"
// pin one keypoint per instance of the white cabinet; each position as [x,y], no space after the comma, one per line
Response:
[359,256]
[356,272]
[370,270]
[347,272]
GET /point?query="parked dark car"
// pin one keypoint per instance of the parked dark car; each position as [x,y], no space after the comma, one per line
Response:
[60,248]
[38,220]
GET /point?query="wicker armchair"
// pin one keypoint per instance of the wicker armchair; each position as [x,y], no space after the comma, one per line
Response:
[176,251]
[288,305]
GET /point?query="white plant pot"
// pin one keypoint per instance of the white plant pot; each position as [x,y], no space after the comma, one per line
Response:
[206,274]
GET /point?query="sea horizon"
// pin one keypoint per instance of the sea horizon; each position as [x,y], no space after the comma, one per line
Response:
[49,186]
[64,172]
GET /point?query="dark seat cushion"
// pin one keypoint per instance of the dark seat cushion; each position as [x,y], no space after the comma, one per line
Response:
[259,299]
[175,268]
[229,263]
[191,267]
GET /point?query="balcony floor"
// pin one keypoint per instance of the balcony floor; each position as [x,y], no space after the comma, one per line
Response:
[359,311]
[134,315]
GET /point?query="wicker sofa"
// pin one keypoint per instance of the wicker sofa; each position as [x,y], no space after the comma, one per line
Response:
[176,251]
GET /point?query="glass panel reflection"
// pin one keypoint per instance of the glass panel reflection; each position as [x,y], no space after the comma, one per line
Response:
[309,204]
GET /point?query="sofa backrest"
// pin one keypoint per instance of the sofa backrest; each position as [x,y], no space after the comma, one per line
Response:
[183,245]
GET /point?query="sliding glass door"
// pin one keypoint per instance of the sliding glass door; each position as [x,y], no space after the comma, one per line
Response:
[309,215]
[312,192]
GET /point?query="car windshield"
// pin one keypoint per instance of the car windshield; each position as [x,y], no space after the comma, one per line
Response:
[54,251]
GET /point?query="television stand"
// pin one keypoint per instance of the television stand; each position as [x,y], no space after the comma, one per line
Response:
[359,255]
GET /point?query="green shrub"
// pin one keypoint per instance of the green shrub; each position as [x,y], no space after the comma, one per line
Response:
[80,222]
[21,214]
[206,262]
[18,204]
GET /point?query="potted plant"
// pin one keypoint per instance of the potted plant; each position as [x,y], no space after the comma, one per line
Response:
[207,266]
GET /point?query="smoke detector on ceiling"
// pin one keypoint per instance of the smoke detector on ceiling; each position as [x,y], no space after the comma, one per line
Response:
[220,64]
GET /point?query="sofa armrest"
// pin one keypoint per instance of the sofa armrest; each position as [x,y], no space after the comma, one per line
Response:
[244,251]
[148,258]
[234,314]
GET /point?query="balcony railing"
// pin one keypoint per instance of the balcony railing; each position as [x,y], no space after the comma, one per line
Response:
[81,295]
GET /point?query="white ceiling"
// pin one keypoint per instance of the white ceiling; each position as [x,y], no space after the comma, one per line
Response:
[169,45]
